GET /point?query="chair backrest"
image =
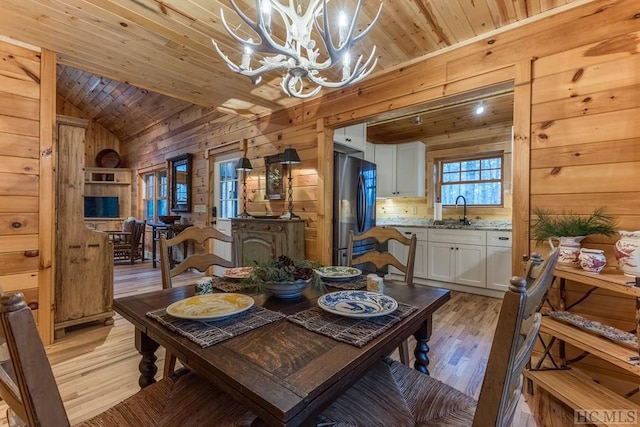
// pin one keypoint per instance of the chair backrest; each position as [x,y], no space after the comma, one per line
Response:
[137,237]
[27,383]
[515,335]
[199,261]
[382,259]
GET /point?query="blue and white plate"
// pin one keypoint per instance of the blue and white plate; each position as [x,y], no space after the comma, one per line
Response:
[359,304]
[338,273]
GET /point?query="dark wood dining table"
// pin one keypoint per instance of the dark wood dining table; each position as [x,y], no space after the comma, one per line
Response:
[283,372]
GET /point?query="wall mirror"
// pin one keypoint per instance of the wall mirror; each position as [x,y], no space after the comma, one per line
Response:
[180,168]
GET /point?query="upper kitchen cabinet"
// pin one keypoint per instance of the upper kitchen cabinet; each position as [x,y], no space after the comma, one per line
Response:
[401,169]
[353,137]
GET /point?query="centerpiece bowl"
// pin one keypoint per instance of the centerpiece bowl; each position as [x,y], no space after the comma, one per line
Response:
[287,290]
[284,277]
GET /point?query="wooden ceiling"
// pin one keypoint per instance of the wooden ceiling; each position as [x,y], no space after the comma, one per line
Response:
[446,119]
[164,46]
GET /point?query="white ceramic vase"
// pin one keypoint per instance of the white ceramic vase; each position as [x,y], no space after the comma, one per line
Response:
[592,260]
[627,251]
[568,250]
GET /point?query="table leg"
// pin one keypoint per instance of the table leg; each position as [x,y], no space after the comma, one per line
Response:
[147,366]
[422,336]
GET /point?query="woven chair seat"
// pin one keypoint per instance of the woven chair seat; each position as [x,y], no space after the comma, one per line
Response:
[182,399]
[393,394]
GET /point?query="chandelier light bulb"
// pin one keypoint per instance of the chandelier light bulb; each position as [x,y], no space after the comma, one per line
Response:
[265,7]
[480,109]
[343,26]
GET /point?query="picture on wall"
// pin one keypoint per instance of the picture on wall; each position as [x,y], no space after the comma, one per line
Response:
[275,177]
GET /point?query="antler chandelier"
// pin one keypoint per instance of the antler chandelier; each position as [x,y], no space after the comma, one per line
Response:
[296,54]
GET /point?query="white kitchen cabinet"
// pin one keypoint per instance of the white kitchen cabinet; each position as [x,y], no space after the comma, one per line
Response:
[385,170]
[400,169]
[370,152]
[401,252]
[457,256]
[354,136]
[499,260]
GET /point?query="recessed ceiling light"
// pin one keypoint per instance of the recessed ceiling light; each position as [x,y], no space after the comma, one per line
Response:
[479,109]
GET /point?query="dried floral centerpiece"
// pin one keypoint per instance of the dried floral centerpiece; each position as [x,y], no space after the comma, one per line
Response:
[284,277]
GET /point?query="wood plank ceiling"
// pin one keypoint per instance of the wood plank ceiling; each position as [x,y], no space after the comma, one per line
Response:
[164,46]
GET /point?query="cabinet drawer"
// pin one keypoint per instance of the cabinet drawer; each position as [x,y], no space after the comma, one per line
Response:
[421,233]
[469,237]
[499,238]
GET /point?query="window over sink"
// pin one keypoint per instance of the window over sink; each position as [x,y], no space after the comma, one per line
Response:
[478,179]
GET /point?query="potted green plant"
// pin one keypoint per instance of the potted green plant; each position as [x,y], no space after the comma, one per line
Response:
[570,229]
[284,277]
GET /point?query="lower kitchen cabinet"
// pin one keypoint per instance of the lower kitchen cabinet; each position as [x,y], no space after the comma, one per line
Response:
[457,256]
[401,252]
[260,240]
[457,263]
[499,260]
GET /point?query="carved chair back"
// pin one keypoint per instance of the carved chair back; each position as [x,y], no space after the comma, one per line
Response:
[381,259]
[200,236]
[518,325]
[27,383]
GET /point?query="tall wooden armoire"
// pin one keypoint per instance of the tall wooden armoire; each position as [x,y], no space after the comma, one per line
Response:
[83,257]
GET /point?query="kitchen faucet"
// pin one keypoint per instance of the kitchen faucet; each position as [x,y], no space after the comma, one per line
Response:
[464,219]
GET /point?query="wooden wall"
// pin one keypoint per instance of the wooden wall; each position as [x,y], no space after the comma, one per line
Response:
[97,137]
[26,177]
[585,154]
[203,132]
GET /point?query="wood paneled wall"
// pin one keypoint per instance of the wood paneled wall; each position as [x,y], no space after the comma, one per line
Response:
[97,137]
[198,130]
[585,154]
[26,178]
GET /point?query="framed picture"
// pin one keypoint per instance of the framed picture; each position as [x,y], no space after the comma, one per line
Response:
[275,177]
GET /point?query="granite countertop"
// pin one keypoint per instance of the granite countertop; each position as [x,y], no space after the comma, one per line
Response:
[478,224]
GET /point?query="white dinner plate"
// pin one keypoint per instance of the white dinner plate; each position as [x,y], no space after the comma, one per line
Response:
[360,304]
[338,272]
[210,306]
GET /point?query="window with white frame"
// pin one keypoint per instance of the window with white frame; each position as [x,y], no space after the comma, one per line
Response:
[478,179]
[228,186]
[155,199]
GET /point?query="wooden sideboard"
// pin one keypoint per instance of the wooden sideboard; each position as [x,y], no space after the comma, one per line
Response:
[260,240]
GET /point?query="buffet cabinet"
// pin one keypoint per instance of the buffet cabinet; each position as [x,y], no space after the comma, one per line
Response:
[83,257]
[258,240]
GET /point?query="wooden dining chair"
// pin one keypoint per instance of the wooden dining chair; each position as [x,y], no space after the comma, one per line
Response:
[129,243]
[383,235]
[201,237]
[28,387]
[394,394]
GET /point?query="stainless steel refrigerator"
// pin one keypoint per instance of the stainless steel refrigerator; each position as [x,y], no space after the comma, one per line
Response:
[354,203]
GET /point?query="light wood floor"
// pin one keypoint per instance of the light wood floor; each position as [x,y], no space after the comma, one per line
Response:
[97,366]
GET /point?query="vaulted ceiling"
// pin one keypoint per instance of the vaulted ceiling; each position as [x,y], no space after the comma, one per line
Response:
[163,47]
